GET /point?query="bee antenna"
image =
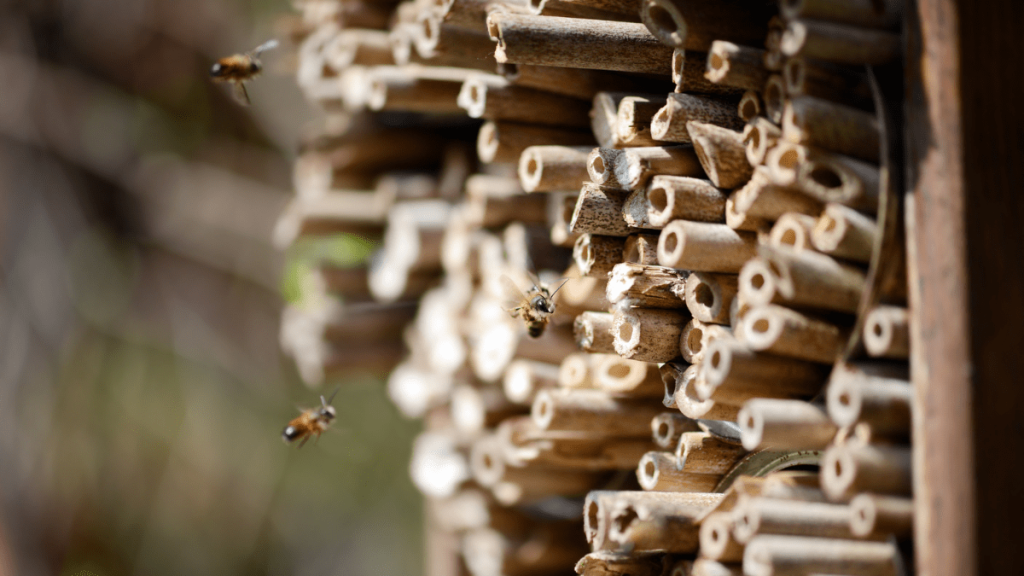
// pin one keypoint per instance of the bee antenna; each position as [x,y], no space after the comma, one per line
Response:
[564,281]
[331,399]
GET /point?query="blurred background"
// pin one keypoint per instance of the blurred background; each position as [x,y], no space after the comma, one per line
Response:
[142,388]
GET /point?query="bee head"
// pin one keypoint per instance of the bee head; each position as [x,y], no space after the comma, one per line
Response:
[327,413]
[216,70]
[541,304]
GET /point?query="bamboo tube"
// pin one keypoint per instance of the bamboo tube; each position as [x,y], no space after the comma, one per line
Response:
[402,38]
[887,332]
[493,98]
[506,141]
[612,9]
[489,552]
[646,286]
[660,472]
[706,567]
[595,255]
[577,43]
[581,292]
[576,370]
[634,212]
[491,203]
[735,65]
[353,47]
[574,82]
[721,153]
[593,332]
[750,107]
[691,342]
[849,469]
[627,378]
[439,465]
[445,45]
[688,68]
[845,233]
[671,373]
[593,411]
[648,335]
[523,378]
[663,527]
[709,296]
[789,555]
[475,409]
[779,330]
[683,198]
[702,453]
[604,562]
[637,165]
[874,516]
[601,166]
[669,123]
[415,89]
[705,247]
[733,371]
[801,279]
[694,26]
[641,249]
[693,407]
[739,219]
[841,129]
[774,94]
[633,122]
[839,43]
[793,230]
[773,57]
[490,468]
[759,136]
[784,424]
[667,427]
[824,176]
[716,541]
[762,199]
[877,394]
[469,14]
[840,84]
[553,168]
[759,516]
[471,508]
[599,211]
[604,118]
[599,505]
[867,13]
[523,444]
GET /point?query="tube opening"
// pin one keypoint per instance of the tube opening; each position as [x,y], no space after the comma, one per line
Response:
[826,177]
[760,325]
[704,295]
[662,20]
[625,332]
[619,370]
[658,199]
[694,339]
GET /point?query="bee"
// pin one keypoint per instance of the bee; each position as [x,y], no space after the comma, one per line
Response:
[240,68]
[534,307]
[312,422]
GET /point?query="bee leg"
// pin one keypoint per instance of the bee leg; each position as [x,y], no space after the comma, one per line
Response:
[241,94]
[304,440]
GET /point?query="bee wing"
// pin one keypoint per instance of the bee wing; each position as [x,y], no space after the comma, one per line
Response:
[241,94]
[514,297]
[268,45]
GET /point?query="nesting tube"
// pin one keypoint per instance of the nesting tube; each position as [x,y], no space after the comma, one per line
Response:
[553,168]
[705,247]
[709,296]
[669,123]
[785,425]
[683,198]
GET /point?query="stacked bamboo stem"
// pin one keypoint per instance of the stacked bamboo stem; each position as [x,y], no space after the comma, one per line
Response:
[720,240]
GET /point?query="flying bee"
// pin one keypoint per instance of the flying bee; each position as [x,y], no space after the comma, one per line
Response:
[240,68]
[312,422]
[534,307]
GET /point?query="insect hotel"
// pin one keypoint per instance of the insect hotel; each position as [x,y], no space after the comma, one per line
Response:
[754,216]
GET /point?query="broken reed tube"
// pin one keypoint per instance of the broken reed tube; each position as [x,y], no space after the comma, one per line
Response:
[595,255]
[553,168]
[646,286]
[801,279]
[759,516]
[493,98]
[876,516]
[577,43]
[722,154]
[600,505]
[777,555]
[845,233]
[734,372]
[702,453]
[667,427]
[785,425]
[692,406]
[606,562]
[851,468]
[737,66]
[887,332]
[633,121]
[709,296]
[694,26]
[593,411]
[523,378]
[779,330]
[661,472]
[759,136]
[825,176]
[593,332]
[669,526]
[635,166]
[839,43]
[683,198]
[671,372]
[841,129]
[604,117]
[641,249]
[506,141]
[599,211]
[705,247]
[648,334]
[716,540]
[877,394]
[669,123]
[601,166]
[688,69]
